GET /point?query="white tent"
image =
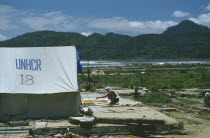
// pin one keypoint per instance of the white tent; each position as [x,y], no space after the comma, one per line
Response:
[38,82]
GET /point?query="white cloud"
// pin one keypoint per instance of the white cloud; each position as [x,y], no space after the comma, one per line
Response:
[12,18]
[25,21]
[180,14]
[121,24]
[51,21]
[7,16]
[55,13]
[115,23]
[208,7]
[4,23]
[60,22]
[86,33]
[5,9]
[152,26]
[2,37]
[203,19]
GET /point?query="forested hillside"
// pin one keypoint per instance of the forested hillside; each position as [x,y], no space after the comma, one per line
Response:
[186,40]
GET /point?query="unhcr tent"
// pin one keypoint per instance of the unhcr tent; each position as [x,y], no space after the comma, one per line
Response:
[38,82]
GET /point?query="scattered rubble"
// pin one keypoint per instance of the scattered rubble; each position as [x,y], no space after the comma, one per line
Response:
[86,111]
[97,72]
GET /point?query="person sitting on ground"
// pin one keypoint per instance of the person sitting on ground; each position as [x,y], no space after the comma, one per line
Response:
[207,100]
[112,95]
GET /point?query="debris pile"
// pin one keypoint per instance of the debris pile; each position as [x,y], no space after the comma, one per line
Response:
[97,72]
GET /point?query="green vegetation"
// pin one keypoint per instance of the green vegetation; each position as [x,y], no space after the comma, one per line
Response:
[189,101]
[153,80]
[156,81]
[186,27]
[186,40]
[155,98]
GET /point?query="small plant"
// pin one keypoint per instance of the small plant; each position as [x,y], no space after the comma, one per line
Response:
[154,88]
[99,86]
[164,86]
[92,89]
[176,83]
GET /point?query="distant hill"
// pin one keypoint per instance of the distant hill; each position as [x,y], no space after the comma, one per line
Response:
[186,27]
[186,40]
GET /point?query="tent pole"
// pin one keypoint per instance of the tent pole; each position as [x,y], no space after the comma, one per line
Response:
[88,71]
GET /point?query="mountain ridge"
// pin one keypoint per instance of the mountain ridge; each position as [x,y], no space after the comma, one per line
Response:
[171,44]
[186,27]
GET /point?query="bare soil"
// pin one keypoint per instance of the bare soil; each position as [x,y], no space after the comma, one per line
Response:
[195,124]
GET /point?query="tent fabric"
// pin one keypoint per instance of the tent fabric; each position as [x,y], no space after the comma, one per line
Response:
[37,106]
[38,70]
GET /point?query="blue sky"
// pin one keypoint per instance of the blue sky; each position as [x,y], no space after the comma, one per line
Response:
[130,17]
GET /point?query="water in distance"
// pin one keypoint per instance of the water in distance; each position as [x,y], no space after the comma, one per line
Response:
[107,63]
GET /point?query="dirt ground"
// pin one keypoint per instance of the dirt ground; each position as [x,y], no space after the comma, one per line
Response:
[195,124]
[201,129]
[198,129]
